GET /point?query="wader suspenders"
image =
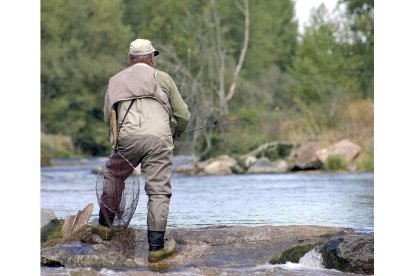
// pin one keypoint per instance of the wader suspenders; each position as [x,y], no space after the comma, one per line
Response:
[119,128]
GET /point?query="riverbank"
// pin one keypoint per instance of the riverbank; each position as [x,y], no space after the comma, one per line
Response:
[270,157]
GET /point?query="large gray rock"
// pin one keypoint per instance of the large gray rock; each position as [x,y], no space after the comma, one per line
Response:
[216,246]
[48,223]
[264,165]
[344,149]
[305,157]
[354,253]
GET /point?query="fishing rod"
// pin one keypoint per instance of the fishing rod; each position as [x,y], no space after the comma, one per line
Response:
[215,125]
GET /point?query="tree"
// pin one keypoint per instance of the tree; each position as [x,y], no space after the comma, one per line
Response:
[273,36]
[83,44]
[361,50]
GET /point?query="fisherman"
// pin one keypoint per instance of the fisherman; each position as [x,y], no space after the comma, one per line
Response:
[154,119]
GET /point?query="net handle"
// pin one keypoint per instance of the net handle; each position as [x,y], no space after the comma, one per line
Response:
[113,126]
[119,128]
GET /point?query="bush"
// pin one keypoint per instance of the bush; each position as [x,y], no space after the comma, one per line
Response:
[336,163]
[45,155]
[366,165]
[53,145]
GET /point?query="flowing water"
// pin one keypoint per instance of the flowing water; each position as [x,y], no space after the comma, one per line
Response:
[328,199]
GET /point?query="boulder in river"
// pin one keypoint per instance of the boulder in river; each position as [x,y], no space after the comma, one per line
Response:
[292,255]
[48,223]
[345,149]
[353,253]
[305,157]
[217,166]
[264,165]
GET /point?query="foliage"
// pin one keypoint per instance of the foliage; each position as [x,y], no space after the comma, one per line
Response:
[59,146]
[56,234]
[336,163]
[83,44]
[291,87]
[45,155]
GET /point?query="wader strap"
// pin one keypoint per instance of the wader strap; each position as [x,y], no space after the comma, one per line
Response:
[119,128]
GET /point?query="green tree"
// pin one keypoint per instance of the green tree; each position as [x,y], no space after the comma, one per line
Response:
[319,67]
[273,36]
[361,49]
[83,44]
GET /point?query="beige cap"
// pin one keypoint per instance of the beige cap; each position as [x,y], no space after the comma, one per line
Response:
[142,47]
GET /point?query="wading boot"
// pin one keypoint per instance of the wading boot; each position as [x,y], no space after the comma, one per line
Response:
[168,249]
[104,232]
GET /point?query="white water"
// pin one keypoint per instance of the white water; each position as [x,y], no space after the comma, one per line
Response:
[312,259]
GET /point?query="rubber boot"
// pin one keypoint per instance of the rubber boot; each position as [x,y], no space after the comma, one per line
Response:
[106,219]
[103,232]
[159,250]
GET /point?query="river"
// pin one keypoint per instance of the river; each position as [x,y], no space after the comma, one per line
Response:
[328,199]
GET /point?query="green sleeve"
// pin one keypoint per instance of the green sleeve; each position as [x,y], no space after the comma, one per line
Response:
[179,107]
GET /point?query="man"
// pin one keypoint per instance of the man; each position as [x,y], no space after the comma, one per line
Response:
[156,116]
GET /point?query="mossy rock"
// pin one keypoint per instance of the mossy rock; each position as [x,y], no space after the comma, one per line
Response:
[56,237]
[56,234]
[292,254]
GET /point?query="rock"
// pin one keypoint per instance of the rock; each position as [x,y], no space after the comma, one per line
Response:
[305,157]
[48,223]
[74,223]
[281,166]
[237,169]
[353,253]
[185,170]
[263,165]
[217,166]
[292,255]
[250,161]
[217,246]
[344,149]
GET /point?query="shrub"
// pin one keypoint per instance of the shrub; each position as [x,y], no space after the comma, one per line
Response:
[336,163]
[366,165]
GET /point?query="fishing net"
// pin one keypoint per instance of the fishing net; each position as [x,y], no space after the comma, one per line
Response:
[117,191]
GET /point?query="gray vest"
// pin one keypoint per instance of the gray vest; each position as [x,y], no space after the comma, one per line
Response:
[137,81]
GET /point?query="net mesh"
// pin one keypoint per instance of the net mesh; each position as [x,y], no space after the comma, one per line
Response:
[117,191]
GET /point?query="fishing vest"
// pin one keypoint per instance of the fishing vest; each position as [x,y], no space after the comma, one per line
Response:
[137,81]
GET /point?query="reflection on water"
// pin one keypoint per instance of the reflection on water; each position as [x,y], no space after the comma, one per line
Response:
[329,199]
